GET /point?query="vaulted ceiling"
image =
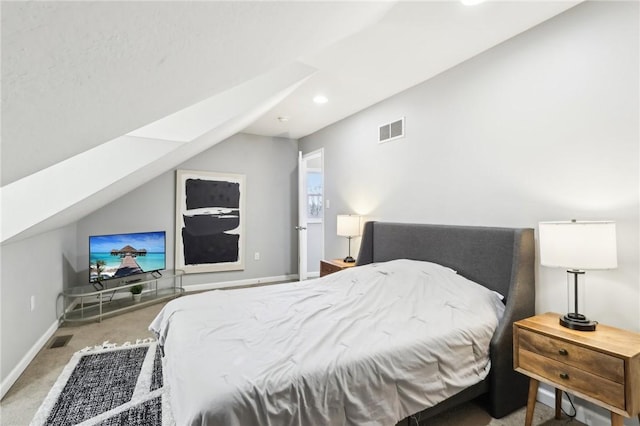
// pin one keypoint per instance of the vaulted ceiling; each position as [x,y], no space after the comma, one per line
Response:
[94,93]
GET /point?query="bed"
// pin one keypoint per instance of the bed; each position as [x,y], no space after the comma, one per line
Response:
[368,345]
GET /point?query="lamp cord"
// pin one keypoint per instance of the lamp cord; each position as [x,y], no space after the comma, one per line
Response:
[573,409]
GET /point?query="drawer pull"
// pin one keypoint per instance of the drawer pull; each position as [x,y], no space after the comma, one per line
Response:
[563,352]
[564,376]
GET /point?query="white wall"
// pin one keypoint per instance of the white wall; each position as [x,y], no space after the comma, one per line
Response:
[40,266]
[270,167]
[542,127]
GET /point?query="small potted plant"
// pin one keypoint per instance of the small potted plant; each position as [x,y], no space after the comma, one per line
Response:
[136,292]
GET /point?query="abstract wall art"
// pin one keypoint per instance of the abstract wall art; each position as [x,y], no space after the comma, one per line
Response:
[209,221]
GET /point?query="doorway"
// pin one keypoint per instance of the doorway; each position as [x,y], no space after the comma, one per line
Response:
[310,213]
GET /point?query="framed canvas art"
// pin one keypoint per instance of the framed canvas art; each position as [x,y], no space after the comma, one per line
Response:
[209,221]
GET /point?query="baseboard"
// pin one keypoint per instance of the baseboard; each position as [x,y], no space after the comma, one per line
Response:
[240,283]
[26,359]
[586,412]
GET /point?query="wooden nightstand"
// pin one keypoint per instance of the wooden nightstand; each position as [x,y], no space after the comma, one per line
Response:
[334,265]
[601,366]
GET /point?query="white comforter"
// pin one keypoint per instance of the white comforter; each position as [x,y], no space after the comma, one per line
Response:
[365,346]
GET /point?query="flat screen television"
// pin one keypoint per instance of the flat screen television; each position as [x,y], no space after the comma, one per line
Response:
[122,255]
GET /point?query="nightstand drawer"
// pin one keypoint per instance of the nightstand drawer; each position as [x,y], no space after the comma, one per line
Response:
[334,265]
[574,378]
[585,359]
[327,268]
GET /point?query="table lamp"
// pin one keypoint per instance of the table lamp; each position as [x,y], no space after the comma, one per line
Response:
[349,226]
[578,246]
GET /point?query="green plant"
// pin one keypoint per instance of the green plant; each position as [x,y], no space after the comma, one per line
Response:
[100,265]
[136,289]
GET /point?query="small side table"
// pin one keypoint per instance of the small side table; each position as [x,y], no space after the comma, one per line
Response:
[601,366]
[333,265]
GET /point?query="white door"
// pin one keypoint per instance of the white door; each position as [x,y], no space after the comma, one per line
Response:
[302,218]
[310,214]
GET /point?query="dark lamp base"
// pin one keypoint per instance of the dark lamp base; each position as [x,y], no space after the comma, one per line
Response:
[578,322]
[349,259]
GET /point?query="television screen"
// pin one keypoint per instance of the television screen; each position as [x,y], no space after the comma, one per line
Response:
[121,255]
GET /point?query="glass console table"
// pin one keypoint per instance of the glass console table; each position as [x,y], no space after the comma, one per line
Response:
[89,302]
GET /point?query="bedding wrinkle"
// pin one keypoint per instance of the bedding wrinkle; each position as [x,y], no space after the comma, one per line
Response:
[358,347]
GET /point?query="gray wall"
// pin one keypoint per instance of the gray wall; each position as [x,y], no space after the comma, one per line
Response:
[39,266]
[270,166]
[43,265]
[541,127]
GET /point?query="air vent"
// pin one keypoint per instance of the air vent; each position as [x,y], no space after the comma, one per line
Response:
[60,341]
[391,131]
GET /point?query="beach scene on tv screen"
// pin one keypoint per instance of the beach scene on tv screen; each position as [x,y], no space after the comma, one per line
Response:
[121,255]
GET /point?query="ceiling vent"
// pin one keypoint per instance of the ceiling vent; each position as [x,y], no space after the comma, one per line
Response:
[391,131]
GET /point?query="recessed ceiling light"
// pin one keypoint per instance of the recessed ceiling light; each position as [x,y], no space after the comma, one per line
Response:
[320,99]
[471,2]
[283,119]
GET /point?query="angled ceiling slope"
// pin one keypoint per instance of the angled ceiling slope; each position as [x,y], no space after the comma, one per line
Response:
[79,77]
[413,42]
[33,205]
[77,74]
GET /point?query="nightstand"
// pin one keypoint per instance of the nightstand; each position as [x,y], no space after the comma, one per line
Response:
[601,366]
[334,265]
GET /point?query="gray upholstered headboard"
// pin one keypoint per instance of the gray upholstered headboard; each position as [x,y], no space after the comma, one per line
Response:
[501,259]
[488,256]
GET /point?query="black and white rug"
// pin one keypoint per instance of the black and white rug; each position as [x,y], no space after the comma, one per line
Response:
[109,385]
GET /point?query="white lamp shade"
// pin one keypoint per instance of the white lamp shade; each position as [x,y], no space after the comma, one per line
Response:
[578,245]
[348,225]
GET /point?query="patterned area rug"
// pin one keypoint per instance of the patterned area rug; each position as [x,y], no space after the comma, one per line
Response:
[109,385]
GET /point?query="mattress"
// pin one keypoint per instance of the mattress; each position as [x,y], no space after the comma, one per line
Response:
[369,345]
